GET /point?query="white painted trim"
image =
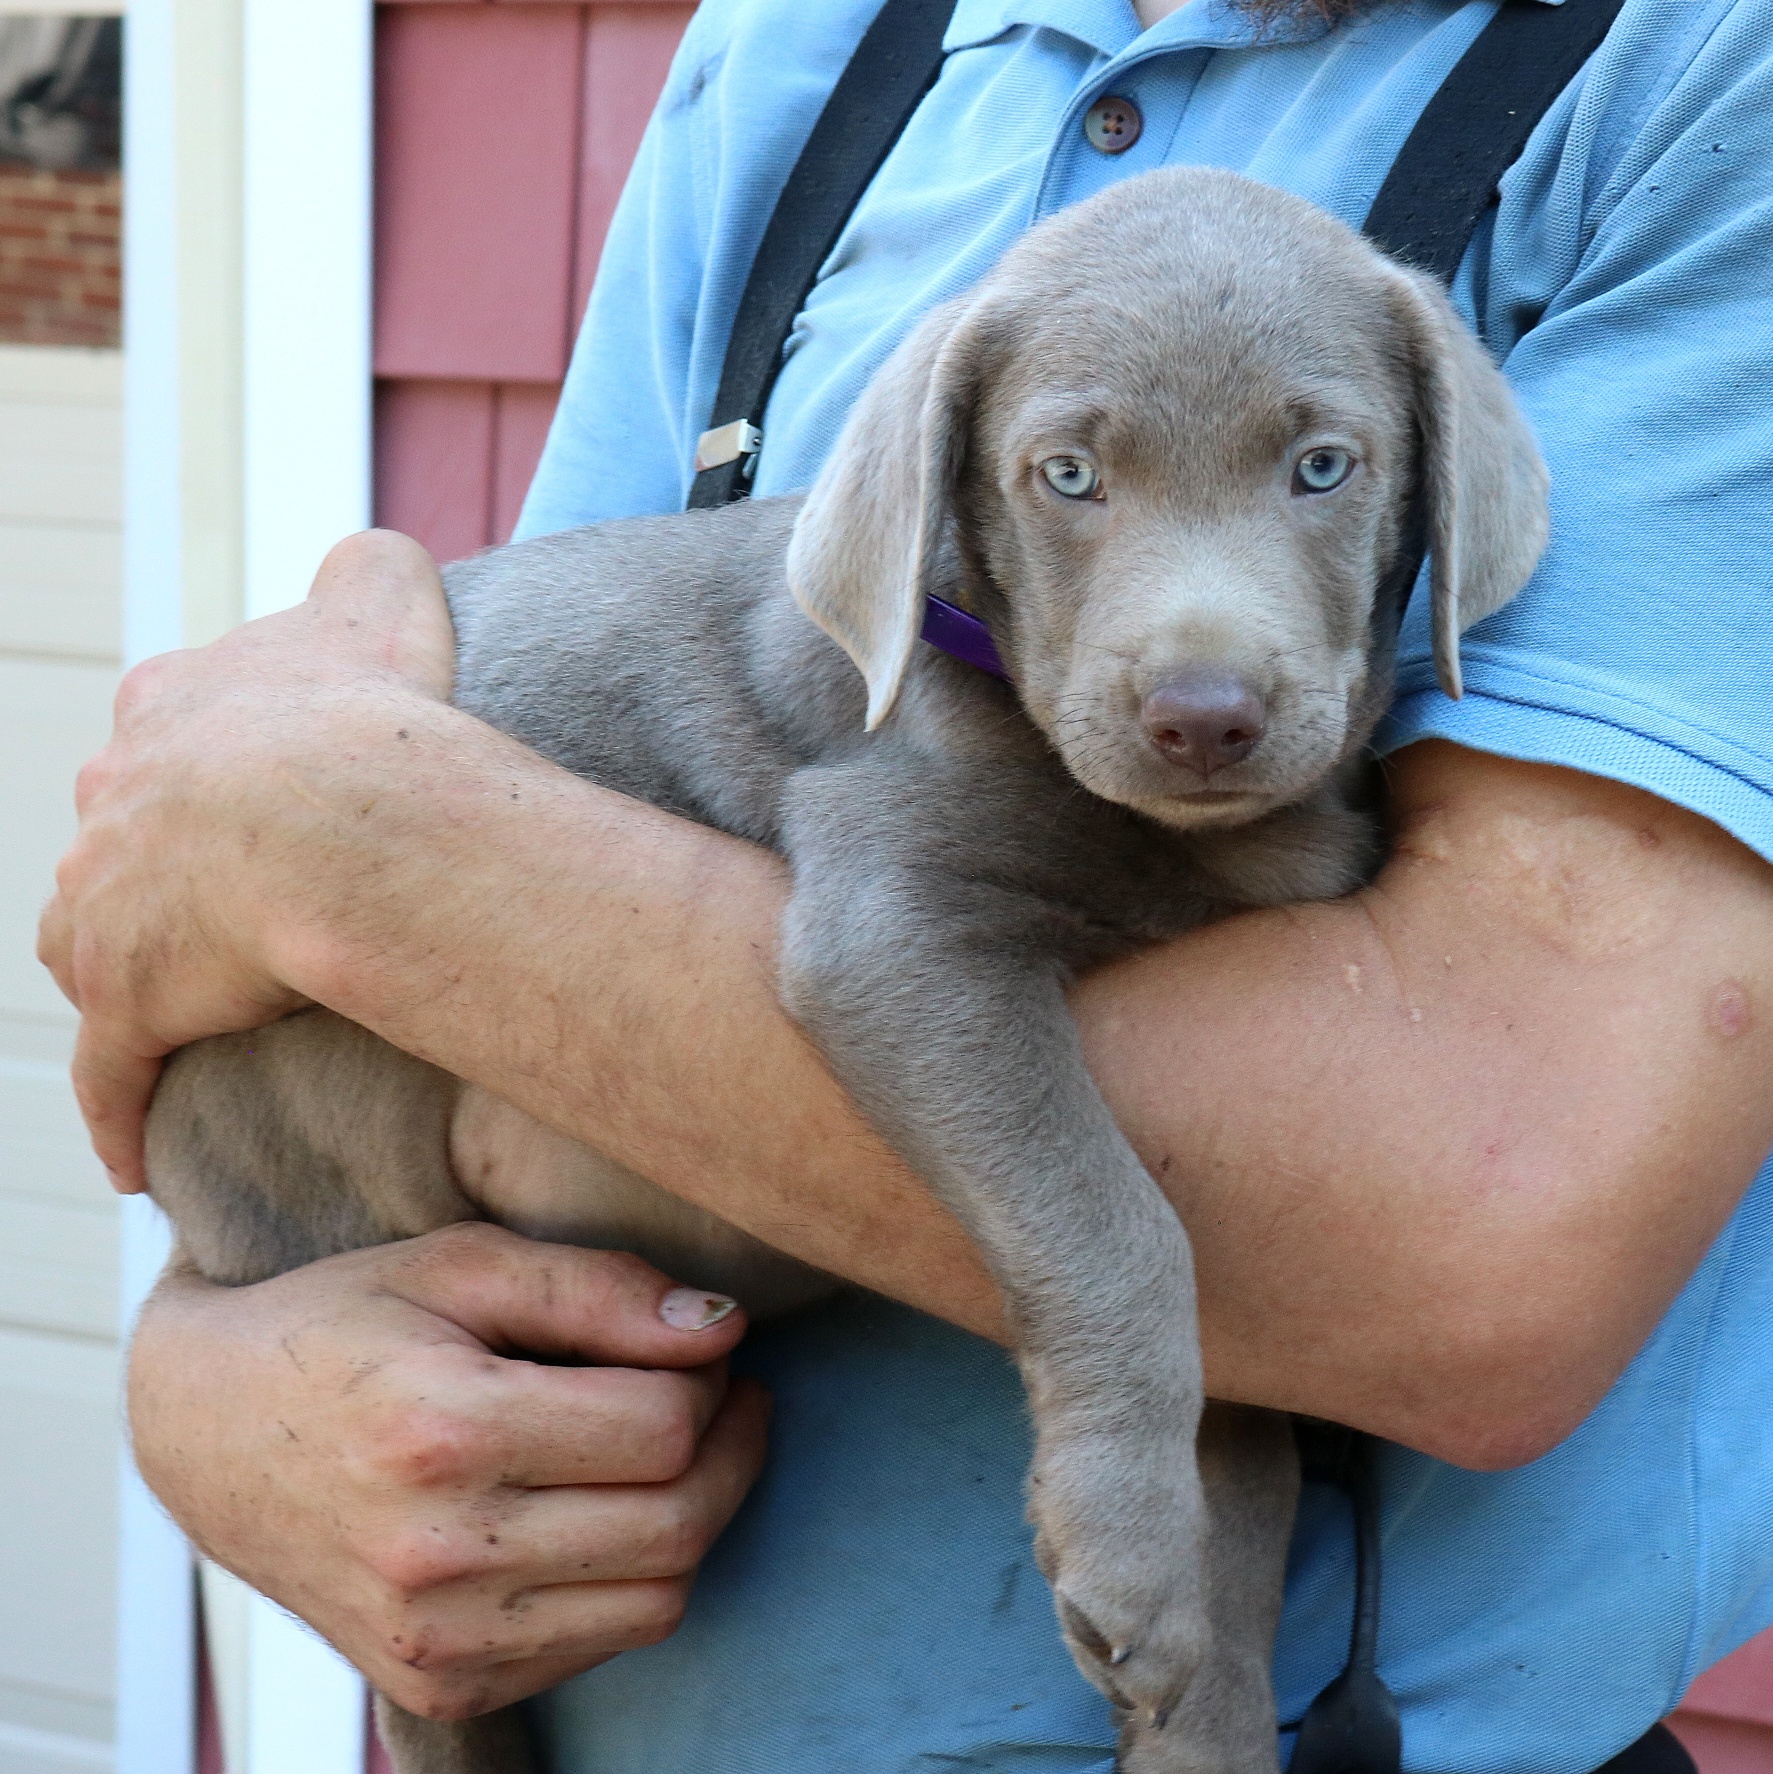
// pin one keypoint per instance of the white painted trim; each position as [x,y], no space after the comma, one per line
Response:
[156,1616]
[287,1702]
[247,438]
[308,1707]
[19,1744]
[305,394]
[156,1621]
[63,8]
[69,375]
[153,564]
[306,289]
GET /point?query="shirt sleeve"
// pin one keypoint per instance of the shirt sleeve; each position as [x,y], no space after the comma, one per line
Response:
[1643,648]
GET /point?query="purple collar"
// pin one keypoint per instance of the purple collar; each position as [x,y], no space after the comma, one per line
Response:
[963,637]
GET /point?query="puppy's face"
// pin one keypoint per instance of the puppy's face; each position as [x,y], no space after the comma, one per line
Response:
[1173,442]
[1186,578]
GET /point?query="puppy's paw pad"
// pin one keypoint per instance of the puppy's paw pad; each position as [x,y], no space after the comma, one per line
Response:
[1128,1582]
[1185,1747]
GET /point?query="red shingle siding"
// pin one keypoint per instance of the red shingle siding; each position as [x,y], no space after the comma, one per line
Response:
[1726,1720]
[61,272]
[503,134]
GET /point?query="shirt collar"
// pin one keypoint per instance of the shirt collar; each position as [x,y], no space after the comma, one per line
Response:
[1111,26]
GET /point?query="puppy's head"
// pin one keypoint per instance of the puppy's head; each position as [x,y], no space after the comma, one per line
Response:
[1169,449]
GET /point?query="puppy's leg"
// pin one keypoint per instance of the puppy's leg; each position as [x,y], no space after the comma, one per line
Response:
[300,1141]
[1249,1467]
[924,962]
[500,1743]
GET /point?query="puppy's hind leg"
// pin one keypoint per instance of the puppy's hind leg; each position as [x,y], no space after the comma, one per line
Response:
[299,1141]
[500,1743]
[1225,1719]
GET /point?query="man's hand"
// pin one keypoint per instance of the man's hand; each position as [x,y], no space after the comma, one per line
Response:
[155,932]
[357,1440]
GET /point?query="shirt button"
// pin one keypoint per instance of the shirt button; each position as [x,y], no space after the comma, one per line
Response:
[1112,125]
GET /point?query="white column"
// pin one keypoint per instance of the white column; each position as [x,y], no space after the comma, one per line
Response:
[156,1616]
[306,288]
[247,443]
[156,1626]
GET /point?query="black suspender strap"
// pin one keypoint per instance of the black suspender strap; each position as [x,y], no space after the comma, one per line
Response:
[895,64]
[1352,1727]
[1426,212]
[1445,178]
[1449,169]
[1475,128]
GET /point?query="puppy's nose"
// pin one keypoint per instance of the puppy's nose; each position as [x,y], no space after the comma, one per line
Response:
[1205,720]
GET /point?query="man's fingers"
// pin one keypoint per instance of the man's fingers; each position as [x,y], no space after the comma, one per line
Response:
[479,1422]
[567,1579]
[548,1636]
[592,1532]
[114,1087]
[645,1531]
[552,1299]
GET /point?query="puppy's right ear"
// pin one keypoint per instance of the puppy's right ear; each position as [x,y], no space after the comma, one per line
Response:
[867,541]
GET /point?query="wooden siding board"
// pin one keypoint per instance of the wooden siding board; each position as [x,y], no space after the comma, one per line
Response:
[59,1399]
[58,589]
[1740,1687]
[44,1154]
[628,51]
[476,185]
[59,463]
[1724,1746]
[58,1267]
[57,715]
[434,443]
[522,414]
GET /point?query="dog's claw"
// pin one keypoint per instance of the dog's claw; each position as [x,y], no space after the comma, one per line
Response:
[1120,1653]
[1160,1718]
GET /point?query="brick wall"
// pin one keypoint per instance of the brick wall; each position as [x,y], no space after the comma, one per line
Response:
[61,273]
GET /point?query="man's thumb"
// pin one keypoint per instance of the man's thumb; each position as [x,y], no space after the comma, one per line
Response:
[386,588]
[518,1295]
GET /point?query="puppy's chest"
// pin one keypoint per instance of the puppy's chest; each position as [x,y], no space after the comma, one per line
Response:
[1114,882]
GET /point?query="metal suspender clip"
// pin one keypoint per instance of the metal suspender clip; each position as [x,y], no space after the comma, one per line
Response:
[729,443]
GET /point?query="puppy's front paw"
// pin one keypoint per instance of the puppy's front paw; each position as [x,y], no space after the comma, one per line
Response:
[1119,1533]
[1188,1743]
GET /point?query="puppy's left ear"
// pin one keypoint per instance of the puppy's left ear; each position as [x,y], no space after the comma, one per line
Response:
[868,541]
[1482,476]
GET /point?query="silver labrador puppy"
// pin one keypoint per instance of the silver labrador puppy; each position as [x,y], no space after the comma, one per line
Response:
[1166,450]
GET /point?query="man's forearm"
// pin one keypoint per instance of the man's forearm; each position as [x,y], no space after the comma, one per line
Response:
[1409,1132]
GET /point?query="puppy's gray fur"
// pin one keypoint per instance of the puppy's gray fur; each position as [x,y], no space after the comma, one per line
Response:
[960,848]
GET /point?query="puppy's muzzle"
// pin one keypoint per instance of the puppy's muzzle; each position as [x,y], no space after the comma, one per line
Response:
[1204,720]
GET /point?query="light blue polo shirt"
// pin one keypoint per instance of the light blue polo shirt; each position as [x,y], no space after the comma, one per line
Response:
[874,1609]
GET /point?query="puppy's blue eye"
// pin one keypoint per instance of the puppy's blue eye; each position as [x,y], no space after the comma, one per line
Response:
[1072,476]
[1322,471]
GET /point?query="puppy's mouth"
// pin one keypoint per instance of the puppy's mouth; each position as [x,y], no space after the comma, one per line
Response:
[1128,774]
[1206,806]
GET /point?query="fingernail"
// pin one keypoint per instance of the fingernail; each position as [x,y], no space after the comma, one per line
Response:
[690,1309]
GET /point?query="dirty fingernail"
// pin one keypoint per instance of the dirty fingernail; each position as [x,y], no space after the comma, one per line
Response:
[690,1309]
